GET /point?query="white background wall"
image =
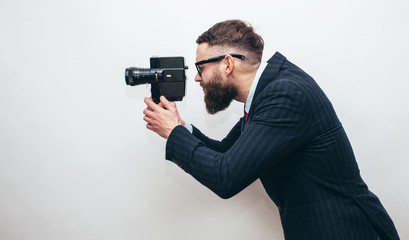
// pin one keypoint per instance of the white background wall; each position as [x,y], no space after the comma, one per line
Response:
[76,161]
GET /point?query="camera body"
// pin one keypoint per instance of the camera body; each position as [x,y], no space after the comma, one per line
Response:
[166,76]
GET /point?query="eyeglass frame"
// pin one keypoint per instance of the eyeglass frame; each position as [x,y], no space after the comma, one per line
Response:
[215,59]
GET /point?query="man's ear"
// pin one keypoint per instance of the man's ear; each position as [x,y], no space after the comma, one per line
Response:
[228,69]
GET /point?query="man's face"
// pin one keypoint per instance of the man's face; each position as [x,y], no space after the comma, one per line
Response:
[219,92]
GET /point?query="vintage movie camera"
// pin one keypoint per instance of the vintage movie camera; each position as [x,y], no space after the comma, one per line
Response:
[166,76]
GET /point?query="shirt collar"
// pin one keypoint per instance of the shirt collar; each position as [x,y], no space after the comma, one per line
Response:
[254,86]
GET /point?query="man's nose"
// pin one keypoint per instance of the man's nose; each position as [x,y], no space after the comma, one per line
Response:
[198,78]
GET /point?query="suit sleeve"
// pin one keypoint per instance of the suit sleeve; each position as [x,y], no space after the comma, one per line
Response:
[279,126]
[225,144]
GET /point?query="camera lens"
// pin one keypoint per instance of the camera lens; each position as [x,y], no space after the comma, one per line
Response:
[136,76]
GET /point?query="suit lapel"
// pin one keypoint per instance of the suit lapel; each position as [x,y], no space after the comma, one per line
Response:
[269,74]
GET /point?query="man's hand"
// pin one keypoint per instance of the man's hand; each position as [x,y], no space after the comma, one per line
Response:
[162,118]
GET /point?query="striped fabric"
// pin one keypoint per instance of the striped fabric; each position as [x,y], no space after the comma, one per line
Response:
[294,143]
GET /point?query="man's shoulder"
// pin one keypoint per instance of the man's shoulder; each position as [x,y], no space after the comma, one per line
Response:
[282,85]
[289,87]
[290,76]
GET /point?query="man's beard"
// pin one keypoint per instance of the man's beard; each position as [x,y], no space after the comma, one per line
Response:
[219,94]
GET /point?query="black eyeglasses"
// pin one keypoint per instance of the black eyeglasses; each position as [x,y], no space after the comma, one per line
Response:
[215,59]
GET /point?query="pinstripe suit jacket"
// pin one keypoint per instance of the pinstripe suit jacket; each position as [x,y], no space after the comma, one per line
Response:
[294,143]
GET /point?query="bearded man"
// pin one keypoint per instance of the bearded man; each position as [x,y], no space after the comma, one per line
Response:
[289,137]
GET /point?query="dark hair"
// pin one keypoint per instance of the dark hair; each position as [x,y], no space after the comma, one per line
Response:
[235,34]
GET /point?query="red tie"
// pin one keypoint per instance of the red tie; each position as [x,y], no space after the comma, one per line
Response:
[245,117]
